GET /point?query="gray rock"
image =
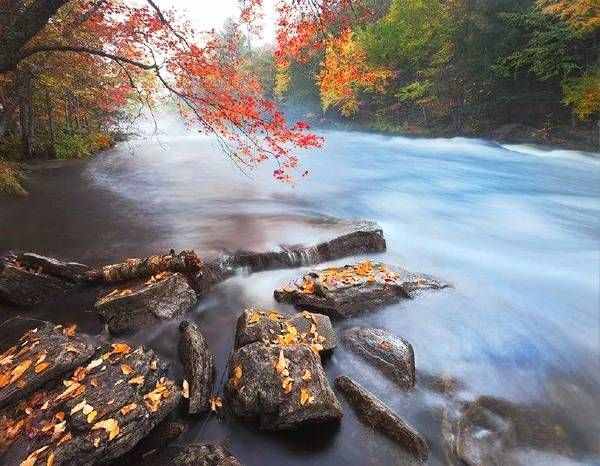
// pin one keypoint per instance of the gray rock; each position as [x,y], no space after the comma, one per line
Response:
[199,367]
[25,287]
[393,355]
[375,413]
[283,397]
[48,352]
[72,271]
[256,325]
[345,291]
[126,309]
[192,455]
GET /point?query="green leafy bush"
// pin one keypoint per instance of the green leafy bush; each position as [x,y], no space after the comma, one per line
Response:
[11,179]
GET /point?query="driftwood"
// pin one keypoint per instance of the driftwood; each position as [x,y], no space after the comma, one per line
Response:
[199,366]
[100,411]
[192,455]
[393,355]
[24,287]
[376,414]
[72,271]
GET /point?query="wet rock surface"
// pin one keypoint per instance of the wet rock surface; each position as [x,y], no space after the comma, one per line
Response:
[72,271]
[25,287]
[193,455]
[345,291]
[90,415]
[273,327]
[40,355]
[283,386]
[376,414]
[199,367]
[164,296]
[393,355]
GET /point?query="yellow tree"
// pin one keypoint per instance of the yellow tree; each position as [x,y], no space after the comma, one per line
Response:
[582,15]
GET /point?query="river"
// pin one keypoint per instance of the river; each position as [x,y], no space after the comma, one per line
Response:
[515,229]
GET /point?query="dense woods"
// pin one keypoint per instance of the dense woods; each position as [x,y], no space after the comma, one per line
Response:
[75,73]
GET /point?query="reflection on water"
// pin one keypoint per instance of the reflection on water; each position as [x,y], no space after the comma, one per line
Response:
[517,233]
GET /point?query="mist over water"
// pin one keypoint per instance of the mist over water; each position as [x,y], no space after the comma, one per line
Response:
[515,229]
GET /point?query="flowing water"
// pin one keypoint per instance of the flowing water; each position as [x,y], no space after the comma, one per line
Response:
[515,229]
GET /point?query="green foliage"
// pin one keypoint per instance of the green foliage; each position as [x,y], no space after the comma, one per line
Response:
[547,50]
[11,179]
[79,146]
[583,94]
[414,92]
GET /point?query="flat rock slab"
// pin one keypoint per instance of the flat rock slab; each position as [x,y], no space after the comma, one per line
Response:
[164,296]
[393,355]
[373,412]
[345,291]
[274,328]
[41,354]
[192,455]
[100,411]
[22,286]
[199,367]
[283,386]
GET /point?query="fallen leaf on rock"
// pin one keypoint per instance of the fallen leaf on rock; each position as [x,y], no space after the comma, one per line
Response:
[287,384]
[97,442]
[70,391]
[154,364]
[120,348]
[50,459]
[78,407]
[253,318]
[126,369]
[307,376]
[39,368]
[125,410]
[32,458]
[79,374]
[66,438]
[19,370]
[41,358]
[316,347]
[281,364]
[306,396]
[139,380]
[4,379]
[110,426]
[93,364]
[70,330]
[215,403]
[185,391]
[91,416]
[60,427]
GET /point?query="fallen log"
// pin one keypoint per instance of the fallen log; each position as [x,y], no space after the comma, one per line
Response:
[192,455]
[376,414]
[25,287]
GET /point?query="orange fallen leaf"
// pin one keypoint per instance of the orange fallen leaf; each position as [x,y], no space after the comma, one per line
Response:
[281,364]
[70,330]
[307,376]
[79,374]
[41,367]
[306,397]
[120,348]
[287,384]
[50,459]
[215,403]
[110,426]
[139,380]
[126,369]
[19,370]
[125,410]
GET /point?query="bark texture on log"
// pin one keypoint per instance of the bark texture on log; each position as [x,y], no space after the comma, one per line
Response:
[199,367]
[392,354]
[72,271]
[375,413]
[41,354]
[100,411]
[128,309]
[193,455]
[25,287]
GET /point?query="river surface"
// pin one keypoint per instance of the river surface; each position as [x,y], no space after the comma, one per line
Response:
[515,229]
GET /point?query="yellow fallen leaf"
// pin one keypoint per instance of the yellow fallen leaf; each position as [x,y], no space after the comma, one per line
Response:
[32,458]
[185,391]
[307,376]
[120,348]
[50,459]
[78,407]
[306,396]
[125,410]
[91,416]
[216,403]
[41,358]
[139,380]
[308,286]
[287,384]
[97,442]
[281,364]
[70,330]
[110,426]
[316,348]
[93,364]
[60,427]
[126,369]
[71,389]
[253,318]
[39,368]
[19,370]
[154,364]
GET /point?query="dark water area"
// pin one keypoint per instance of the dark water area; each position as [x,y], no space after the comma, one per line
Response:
[516,230]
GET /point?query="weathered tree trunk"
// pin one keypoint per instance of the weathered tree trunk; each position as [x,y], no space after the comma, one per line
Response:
[26,115]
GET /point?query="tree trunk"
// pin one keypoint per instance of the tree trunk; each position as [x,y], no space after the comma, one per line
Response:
[26,115]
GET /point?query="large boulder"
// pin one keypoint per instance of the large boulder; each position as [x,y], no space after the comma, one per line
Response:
[391,354]
[164,296]
[373,412]
[98,412]
[192,455]
[40,355]
[283,386]
[199,367]
[273,327]
[344,291]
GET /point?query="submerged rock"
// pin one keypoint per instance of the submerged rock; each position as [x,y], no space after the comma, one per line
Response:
[273,327]
[283,386]
[375,413]
[165,296]
[393,355]
[192,455]
[40,355]
[199,367]
[98,412]
[345,291]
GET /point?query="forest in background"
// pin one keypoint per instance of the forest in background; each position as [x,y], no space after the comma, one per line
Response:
[507,69]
